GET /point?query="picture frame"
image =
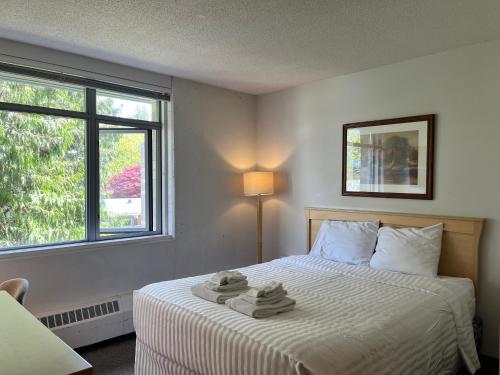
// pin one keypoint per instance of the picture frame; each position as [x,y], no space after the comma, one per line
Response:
[390,158]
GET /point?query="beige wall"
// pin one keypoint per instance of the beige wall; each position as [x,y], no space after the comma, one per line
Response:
[299,135]
[215,225]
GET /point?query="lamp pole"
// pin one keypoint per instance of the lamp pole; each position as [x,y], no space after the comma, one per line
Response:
[259,229]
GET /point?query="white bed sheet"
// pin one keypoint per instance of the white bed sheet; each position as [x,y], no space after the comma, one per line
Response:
[348,320]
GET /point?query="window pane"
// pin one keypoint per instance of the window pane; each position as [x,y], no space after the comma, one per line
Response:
[127,106]
[42,179]
[19,89]
[122,168]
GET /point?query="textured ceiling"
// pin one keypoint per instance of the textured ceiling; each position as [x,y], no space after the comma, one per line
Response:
[254,46]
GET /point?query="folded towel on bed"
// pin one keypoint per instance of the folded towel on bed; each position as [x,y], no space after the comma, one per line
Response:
[265,291]
[227,277]
[240,285]
[261,311]
[201,291]
[273,298]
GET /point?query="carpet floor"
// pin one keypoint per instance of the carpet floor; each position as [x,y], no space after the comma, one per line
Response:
[111,357]
[116,357]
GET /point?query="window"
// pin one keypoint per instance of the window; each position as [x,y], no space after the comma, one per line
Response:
[26,90]
[80,161]
[127,106]
[125,164]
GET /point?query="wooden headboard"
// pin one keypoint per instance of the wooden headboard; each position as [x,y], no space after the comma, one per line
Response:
[461,237]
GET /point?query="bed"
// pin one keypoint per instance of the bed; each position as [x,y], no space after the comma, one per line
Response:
[348,319]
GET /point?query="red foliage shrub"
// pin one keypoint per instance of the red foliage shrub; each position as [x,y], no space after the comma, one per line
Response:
[126,184]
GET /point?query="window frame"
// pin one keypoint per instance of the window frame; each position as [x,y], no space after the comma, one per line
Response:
[93,120]
[130,232]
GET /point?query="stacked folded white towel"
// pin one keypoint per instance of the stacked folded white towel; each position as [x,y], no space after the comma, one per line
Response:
[262,302]
[221,286]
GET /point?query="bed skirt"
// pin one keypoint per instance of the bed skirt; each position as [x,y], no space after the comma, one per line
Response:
[148,362]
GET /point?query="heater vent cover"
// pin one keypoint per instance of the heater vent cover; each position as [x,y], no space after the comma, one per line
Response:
[77,315]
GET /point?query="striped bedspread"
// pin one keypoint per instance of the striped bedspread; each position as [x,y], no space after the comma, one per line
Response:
[348,320]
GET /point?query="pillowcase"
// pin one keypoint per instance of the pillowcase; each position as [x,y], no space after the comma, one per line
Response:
[414,251]
[350,242]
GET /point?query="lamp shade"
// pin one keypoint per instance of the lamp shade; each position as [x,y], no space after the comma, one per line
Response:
[258,183]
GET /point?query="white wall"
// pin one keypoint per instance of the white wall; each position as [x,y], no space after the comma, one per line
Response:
[299,135]
[215,225]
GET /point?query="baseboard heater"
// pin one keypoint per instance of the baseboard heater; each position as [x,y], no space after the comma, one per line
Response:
[83,313]
[92,322]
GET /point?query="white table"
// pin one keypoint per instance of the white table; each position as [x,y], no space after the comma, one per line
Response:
[28,347]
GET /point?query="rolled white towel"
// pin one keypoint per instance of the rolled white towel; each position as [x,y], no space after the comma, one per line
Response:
[269,290]
[241,285]
[227,277]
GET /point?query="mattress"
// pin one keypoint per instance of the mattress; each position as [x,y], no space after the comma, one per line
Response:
[348,320]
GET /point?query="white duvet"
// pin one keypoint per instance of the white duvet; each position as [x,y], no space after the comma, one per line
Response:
[348,320]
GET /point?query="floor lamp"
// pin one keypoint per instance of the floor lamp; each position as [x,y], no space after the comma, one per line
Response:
[258,184]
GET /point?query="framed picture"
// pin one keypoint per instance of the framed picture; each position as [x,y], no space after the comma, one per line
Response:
[390,158]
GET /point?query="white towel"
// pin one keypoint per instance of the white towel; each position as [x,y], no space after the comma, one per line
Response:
[240,285]
[269,290]
[227,277]
[199,290]
[274,298]
[262,311]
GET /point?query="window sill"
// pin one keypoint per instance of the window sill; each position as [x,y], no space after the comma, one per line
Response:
[82,247]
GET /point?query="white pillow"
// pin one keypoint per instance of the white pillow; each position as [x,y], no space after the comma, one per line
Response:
[408,250]
[350,242]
